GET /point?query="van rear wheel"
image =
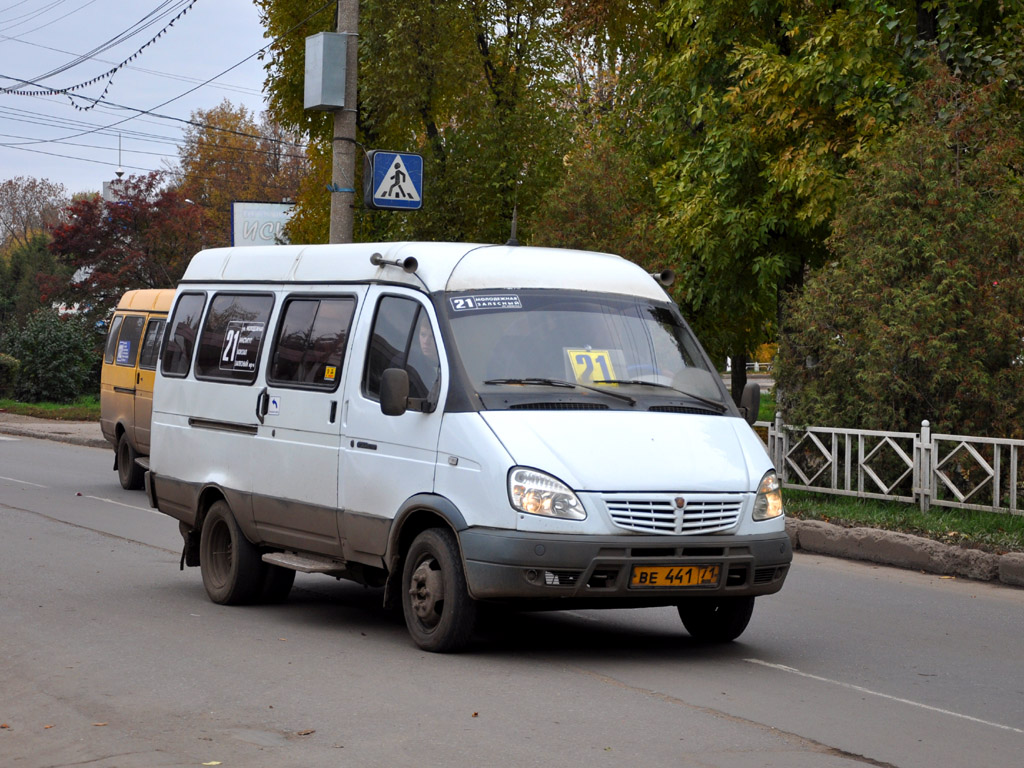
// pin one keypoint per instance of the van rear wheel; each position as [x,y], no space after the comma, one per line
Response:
[438,610]
[716,619]
[232,569]
[129,473]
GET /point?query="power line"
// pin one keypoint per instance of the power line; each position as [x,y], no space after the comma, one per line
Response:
[158,73]
[150,111]
[109,74]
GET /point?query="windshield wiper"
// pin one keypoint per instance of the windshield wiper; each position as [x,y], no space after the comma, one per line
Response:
[713,403]
[560,383]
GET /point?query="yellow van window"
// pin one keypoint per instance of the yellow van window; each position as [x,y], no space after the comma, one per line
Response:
[128,342]
[115,329]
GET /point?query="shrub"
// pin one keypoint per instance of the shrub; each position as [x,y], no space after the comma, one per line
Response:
[56,356]
[8,373]
[921,315]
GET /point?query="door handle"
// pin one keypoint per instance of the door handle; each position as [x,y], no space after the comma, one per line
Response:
[262,404]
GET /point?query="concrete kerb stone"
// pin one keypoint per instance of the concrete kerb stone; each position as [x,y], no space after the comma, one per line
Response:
[904,550]
[1011,569]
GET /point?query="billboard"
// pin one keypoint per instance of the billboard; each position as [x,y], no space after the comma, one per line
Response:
[259,223]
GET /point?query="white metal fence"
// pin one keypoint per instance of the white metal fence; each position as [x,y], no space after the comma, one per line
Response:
[924,468]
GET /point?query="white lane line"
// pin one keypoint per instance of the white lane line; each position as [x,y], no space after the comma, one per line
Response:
[11,439]
[122,504]
[23,482]
[859,689]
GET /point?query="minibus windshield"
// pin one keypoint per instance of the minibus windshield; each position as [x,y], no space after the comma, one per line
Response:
[625,346]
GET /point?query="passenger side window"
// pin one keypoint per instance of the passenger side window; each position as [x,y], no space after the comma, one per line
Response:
[112,334]
[183,330]
[402,338]
[311,342]
[151,344]
[232,337]
[128,342]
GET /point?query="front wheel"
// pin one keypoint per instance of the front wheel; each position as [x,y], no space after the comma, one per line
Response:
[232,569]
[128,472]
[438,610]
[716,619]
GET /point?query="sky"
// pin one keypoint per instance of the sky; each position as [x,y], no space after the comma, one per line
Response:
[45,136]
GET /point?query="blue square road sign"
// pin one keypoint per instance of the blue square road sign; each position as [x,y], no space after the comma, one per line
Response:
[393,180]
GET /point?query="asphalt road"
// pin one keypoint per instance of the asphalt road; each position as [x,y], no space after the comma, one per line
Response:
[111,656]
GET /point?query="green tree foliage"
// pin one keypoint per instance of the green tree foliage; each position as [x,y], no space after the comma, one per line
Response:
[143,240]
[20,290]
[56,357]
[469,85]
[604,203]
[920,315]
[764,108]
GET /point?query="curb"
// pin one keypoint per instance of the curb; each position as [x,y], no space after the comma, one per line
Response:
[903,550]
[56,434]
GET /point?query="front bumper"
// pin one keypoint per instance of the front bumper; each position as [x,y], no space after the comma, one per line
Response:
[596,570]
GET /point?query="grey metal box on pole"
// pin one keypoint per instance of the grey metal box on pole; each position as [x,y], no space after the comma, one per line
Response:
[326,55]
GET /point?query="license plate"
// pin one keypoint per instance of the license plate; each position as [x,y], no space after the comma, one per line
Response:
[655,576]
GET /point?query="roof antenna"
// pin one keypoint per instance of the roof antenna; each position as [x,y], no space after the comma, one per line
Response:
[515,217]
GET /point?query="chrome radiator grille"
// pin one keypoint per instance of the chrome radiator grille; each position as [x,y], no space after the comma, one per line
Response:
[658,513]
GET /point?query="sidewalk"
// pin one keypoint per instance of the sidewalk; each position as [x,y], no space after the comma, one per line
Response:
[900,550]
[75,432]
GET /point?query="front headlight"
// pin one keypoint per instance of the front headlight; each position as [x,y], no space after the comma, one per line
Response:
[768,502]
[538,493]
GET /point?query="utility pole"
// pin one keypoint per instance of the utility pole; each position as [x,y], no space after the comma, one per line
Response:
[343,174]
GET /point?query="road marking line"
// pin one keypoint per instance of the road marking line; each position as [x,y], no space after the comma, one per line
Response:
[23,482]
[860,689]
[11,439]
[122,504]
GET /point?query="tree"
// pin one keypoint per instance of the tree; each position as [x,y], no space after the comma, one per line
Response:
[143,240]
[56,357]
[226,156]
[20,290]
[920,314]
[764,108]
[27,207]
[469,85]
[604,202]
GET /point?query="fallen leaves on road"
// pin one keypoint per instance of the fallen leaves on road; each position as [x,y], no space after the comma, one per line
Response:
[307,732]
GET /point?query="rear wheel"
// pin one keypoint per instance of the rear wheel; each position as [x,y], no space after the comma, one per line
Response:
[716,619]
[128,472]
[438,610]
[232,569]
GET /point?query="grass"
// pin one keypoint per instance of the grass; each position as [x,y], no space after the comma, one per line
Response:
[988,531]
[86,408]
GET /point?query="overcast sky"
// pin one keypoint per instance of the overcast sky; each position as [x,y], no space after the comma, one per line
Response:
[40,36]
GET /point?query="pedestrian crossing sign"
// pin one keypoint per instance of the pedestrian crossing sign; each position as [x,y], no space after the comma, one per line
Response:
[393,180]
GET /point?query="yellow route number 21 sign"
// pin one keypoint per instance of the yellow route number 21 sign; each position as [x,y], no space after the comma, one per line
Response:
[590,365]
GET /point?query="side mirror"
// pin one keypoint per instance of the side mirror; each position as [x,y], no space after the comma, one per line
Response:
[750,402]
[394,392]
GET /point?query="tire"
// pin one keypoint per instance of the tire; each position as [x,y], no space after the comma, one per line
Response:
[439,612]
[129,473]
[716,619]
[232,570]
[277,584]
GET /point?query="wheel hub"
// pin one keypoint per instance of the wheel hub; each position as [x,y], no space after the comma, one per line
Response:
[427,593]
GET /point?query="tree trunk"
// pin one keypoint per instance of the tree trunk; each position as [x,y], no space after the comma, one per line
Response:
[739,375]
